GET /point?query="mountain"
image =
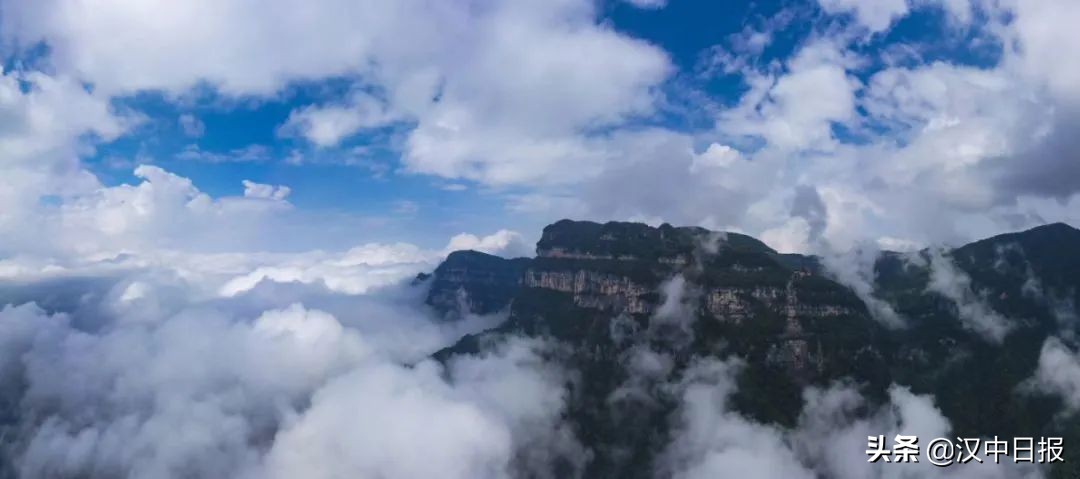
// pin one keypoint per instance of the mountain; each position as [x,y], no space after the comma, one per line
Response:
[975,319]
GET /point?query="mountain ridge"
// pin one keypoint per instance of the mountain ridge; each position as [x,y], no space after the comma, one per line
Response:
[785,316]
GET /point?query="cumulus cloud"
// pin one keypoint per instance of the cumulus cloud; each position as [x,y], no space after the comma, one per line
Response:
[47,121]
[909,153]
[415,415]
[43,114]
[632,188]
[329,125]
[466,428]
[169,46]
[163,210]
[1042,28]
[254,386]
[266,192]
[506,243]
[876,16]
[355,271]
[484,86]
[796,110]
[715,156]
[916,152]
[165,217]
[171,385]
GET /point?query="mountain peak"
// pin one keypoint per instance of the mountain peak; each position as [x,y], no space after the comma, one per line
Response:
[1048,236]
[616,239]
[604,293]
[1053,228]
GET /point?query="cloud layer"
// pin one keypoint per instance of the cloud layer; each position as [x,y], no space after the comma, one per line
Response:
[151,380]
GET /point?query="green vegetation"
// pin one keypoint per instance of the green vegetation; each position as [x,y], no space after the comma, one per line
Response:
[977,384]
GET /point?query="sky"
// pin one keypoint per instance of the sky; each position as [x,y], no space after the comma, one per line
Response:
[817,126]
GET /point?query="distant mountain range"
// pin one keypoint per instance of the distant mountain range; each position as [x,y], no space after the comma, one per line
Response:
[965,325]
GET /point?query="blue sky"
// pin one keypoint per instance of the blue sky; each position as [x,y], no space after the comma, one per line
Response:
[477,116]
[685,30]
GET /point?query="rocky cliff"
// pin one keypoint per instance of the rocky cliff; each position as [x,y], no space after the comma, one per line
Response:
[605,290]
[474,282]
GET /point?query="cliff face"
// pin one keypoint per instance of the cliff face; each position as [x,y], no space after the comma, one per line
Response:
[617,269]
[607,290]
[594,290]
[474,282]
[688,291]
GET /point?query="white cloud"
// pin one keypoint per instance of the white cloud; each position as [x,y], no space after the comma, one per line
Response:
[415,414]
[44,114]
[175,409]
[830,413]
[961,12]
[929,153]
[247,154]
[855,269]
[266,192]
[919,154]
[875,15]
[370,266]
[191,126]
[511,115]
[715,156]
[163,210]
[954,284]
[1044,28]
[648,4]
[926,153]
[328,125]
[501,243]
[829,440]
[356,271]
[174,47]
[47,121]
[791,237]
[797,110]
[467,428]
[492,90]
[712,439]
[164,220]
[1058,373]
[207,391]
